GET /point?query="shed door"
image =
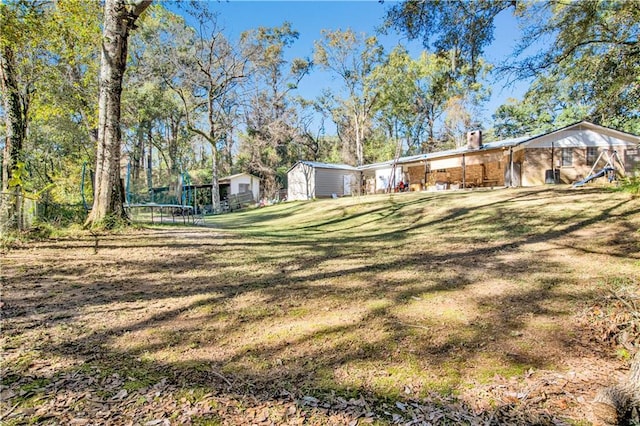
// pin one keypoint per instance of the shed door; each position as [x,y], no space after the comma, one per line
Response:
[346,179]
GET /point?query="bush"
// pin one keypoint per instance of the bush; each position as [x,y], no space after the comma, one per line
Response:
[631,184]
[60,215]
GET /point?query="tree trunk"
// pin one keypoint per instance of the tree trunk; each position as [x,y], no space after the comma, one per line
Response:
[119,19]
[620,404]
[150,168]
[172,142]
[359,141]
[16,123]
[215,187]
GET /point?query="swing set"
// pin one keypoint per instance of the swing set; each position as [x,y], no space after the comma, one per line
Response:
[609,169]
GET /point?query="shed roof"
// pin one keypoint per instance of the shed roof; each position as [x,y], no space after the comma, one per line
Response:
[227,179]
[318,165]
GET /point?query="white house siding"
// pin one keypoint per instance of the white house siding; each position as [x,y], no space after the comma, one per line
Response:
[384,177]
[301,182]
[573,138]
[246,179]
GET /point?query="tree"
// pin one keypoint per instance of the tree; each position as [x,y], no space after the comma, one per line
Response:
[414,96]
[119,19]
[460,29]
[154,116]
[352,58]
[205,69]
[64,133]
[548,104]
[590,53]
[20,66]
[271,119]
[589,48]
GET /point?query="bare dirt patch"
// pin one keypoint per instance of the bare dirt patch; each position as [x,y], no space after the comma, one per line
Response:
[420,308]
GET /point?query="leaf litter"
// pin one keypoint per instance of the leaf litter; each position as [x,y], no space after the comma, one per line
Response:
[61,366]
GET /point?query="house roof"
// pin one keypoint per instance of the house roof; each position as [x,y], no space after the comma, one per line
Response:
[505,143]
[592,126]
[501,144]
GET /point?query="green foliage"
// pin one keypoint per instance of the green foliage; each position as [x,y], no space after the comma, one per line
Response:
[587,69]
[273,140]
[378,147]
[352,58]
[631,184]
[460,30]
[111,222]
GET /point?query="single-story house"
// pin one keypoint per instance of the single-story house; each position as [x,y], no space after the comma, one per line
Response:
[311,179]
[565,155]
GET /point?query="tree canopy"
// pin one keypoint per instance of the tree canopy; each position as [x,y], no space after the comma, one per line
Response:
[197,102]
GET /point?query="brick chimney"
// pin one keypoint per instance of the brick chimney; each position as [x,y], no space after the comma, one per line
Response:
[474,139]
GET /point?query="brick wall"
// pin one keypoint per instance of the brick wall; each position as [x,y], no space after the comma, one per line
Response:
[494,172]
[475,175]
[416,175]
[538,160]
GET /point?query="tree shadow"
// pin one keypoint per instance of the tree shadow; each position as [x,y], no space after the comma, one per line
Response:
[319,313]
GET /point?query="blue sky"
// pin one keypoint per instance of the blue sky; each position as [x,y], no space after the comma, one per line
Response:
[310,17]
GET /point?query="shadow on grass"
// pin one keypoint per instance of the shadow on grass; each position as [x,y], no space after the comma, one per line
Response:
[369,308]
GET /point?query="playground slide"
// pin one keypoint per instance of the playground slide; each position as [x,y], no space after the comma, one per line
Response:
[596,175]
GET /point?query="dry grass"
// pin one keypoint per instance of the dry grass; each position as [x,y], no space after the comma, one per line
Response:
[383,299]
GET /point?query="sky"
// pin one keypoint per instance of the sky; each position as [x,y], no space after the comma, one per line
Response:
[310,17]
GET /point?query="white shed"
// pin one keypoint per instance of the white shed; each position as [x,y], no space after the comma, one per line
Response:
[310,179]
[241,183]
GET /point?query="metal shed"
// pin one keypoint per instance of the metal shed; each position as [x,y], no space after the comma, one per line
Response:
[310,179]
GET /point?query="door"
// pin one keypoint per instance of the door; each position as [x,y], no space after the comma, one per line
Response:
[346,187]
[515,179]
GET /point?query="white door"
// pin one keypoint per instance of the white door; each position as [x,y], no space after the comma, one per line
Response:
[346,179]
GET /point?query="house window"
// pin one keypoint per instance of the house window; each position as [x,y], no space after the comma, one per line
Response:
[592,155]
[243,187]
[567,157]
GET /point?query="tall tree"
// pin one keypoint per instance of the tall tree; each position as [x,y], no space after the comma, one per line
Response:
[414,97]
[548,104]
[271,119]
[119,19]
[460,29]
[154,116]
[590,48]
[590,51]
[352,57]
[20,66]
[205,72]
[65,116]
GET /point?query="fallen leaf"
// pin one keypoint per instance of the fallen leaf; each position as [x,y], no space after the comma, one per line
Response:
[120,395]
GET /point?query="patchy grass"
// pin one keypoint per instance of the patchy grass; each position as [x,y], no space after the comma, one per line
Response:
[361,305]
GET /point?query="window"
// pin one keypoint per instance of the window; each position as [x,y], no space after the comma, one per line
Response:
[592,155]
[567,157]
[243,187]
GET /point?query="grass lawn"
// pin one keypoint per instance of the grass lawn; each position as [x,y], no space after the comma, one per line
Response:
[443,308]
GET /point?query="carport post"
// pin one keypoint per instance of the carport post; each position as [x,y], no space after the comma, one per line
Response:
[464,172]
[511,167]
